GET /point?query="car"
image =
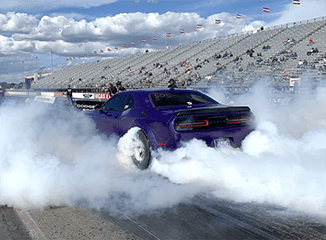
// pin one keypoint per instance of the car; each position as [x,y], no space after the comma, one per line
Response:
[165,118]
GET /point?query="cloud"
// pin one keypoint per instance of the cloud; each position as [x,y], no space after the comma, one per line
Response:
[36,6]
[17,22]
[119,29]
[308,9]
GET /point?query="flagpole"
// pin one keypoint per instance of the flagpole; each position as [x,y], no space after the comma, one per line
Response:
[179,38]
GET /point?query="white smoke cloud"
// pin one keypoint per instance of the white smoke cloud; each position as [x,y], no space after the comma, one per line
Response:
[53,156]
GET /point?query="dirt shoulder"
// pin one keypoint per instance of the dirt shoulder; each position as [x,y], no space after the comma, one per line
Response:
[11,226]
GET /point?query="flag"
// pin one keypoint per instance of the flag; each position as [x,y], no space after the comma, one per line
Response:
[296,2]
[123,45]
[217,21]
[109,50]
[143,40]
[154,38]
[133,43]
[239,16]
[168,34]
[265,9]
[182,31]
[199,26]
[102,51]
[95,52]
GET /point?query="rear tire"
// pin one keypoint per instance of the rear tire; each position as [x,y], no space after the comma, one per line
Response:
[141,150]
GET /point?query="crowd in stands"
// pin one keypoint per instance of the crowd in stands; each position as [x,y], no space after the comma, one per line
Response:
[274,53]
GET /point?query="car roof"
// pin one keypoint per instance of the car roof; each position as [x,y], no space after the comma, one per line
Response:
[157,89]
[152,90]
[141,94]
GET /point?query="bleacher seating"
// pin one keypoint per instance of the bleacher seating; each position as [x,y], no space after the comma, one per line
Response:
[200,61]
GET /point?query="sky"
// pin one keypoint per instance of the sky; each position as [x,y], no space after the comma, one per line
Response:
[47,35]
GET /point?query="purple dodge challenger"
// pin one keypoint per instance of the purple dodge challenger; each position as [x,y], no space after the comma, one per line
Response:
[167,117]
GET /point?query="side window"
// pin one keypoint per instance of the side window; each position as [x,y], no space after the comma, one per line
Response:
[120,103]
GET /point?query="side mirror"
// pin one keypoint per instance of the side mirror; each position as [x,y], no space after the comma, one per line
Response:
[98,108]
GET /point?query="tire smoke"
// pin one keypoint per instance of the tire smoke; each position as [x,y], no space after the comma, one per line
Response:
[52,156]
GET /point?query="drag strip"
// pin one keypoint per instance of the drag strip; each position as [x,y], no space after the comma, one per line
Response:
[205,218]
[202,218]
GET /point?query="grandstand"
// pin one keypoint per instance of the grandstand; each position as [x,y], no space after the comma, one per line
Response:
[235,60]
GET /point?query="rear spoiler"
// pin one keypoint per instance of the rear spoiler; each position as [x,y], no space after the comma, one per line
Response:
[220,109]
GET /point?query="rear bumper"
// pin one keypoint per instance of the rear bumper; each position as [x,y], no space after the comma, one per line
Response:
[235,134]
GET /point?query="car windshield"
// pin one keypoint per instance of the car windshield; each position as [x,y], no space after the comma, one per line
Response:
[161,99]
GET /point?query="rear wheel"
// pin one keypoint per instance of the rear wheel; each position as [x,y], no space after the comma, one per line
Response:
[141,150]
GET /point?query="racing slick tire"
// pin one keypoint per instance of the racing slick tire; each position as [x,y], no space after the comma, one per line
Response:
[141,150]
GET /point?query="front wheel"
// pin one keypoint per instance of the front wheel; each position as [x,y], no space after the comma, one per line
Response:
[141,150]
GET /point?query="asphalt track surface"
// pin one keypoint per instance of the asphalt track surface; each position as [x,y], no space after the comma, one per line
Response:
[202,218]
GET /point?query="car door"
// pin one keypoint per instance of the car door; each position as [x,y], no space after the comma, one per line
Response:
[108,119]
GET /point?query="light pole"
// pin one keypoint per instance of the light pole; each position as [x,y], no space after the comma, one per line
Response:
[36,63]
[51,61]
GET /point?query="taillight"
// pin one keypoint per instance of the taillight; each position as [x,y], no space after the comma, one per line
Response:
[189,125]
[239,120]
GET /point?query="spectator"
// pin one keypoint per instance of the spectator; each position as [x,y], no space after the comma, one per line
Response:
[69,95]
[2,94]
[296,87]
[310,42]
[120,87]
[300,63]
[310,52]
[112,90]
[172,83]
[294,55]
